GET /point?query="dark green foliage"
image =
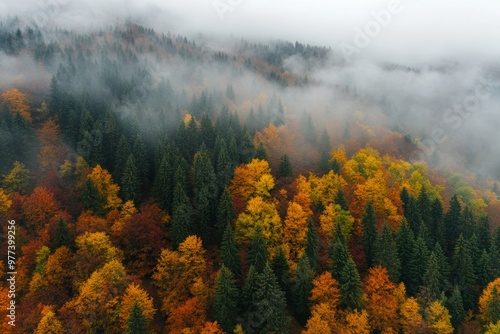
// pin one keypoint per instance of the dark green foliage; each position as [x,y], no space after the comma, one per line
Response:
[226,213]
[350,286]
[339,254]
[451,222]
[226,298]
[137,323]
[405,242]
[130,181]
[258,253]
[425,210]
[433,280]
[140,153]
[91,199]
[369,233]
[282,270]
[181,224]
[285,167]
[417,265]
[312,246]
[463,270]
[61,234]
[493,306]
[245,147]
[302,286]
[249,288]
[386,253]
[268,313]
[485,271]
[456,307]
[230,252]
[438,228]
[260,153]
[341,200]
[483,233]
[443,264]
[224,167]
[164,183]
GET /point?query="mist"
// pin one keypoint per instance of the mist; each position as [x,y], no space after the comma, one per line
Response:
[424,68]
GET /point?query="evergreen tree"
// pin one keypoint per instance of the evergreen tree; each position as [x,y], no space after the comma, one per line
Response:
[302,287]
[61,234]
[425,210]
[485,271]
[141,158]
[369,233]
[261,153]
[258,253]
[405,199]
[312,245]
[163,184]
[282,270]
[483,233]
[91,199]
[226,300]
[339,254]
[451,223]
[417,266]
[438,228]
[456,307]
[180,227]
[433,280]
[224,168]
[405,242]
[246,147]
[463,270]
[386,253]
[443,264]
[130,181]
[249,289]
[341,200]
[226,213]
[285,167]
[230,252]
[269,305]
[350,286]
[493,306]
[137,323]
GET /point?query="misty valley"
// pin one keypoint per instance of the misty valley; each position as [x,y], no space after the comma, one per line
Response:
[153,181]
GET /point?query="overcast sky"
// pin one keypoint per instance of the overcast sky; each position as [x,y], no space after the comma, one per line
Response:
[419,30]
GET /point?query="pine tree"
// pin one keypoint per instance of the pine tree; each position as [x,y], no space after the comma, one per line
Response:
[338,253]
[443,264]
[285,167]
[224,168]
[281,269]
[341,200]
[438,227]
[386,253]
[137,323]
[180,227]
[230,252]
[433,280]
[226,213]
[456,307]
[91,199]
[350,286]
[258,253]
[451,223]
[269,305]
[163,183]
[302,287]
[425,210]
[226,300]
[61,234]
[493,306]
[485,271]
[140,153]
[405,242]
[312,245]
[260,153]
[249,288]
[130,181]
[463,270]
[369,233]
[417,266]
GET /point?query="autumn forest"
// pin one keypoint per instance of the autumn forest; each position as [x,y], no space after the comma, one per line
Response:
[160,184]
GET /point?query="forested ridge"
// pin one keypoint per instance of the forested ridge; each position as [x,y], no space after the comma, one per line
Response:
[161,185]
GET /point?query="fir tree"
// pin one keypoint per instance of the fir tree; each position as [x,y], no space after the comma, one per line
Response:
[61,234]
[258,253]
[282,270]
[285,167]
[130,181]
[249,288]
[302,287]
[163,184]
[405,242]
[456,307]
[433,280]
[91,199]
[493,306]
[180,227]
[339,254]
[350,286]
[417,265]
[485,271]
[438,227]
[463,270]
[226,213]
[137,323]
[224,168]
[443,264]
[341,200]
[226,300]
[312,245]
[260,153]
[369,233]
[230,252]
[451,222]
[386,253]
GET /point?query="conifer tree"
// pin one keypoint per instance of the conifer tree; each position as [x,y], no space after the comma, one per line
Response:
[456,307]
[386,253]
[433,280]
[226,213]
[91,199]
[369,233]
[230,252]
[443,264]
[164,183]
[451,223]
[493,306]
[463,270]
[137,322]
[405,241]
[61,234]
[302,287]
[312,245]
[260,153]
[249,288]
[226,300]
[341,200]
[130,181]
[281,269]
[485,270]
[438,228]
[224,168]
[180,227]
[417,265]
[338,253]
[350,286]
[285,167]
[258,253]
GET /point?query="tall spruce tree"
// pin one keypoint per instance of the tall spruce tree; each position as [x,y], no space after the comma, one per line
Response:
[282,270]
[456,307]
[339,254]
[433,279]
[230,252]
[451,223]
[369,233]
[386,253]
[91,199]
[226,213]
[130,181]
[285,167]
[226,298]
[180,227]
[137,323]
[350,286]
[405,242]
[417,265]
[312,245]
[463,271]
[258,254]
[61,234]
[302,286]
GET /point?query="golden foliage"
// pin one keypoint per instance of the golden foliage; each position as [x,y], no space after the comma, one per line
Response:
[18,102]
[438,318]
[252,179]
[485,298]
[106,187]
[135,294]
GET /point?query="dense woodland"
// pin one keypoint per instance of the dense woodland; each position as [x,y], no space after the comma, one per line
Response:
[145,205]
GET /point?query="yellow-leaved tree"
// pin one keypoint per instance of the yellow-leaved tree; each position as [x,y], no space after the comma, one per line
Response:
[106,187]
[136,294]
[252,179]
[49,324]
[295,230]
[438,318]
